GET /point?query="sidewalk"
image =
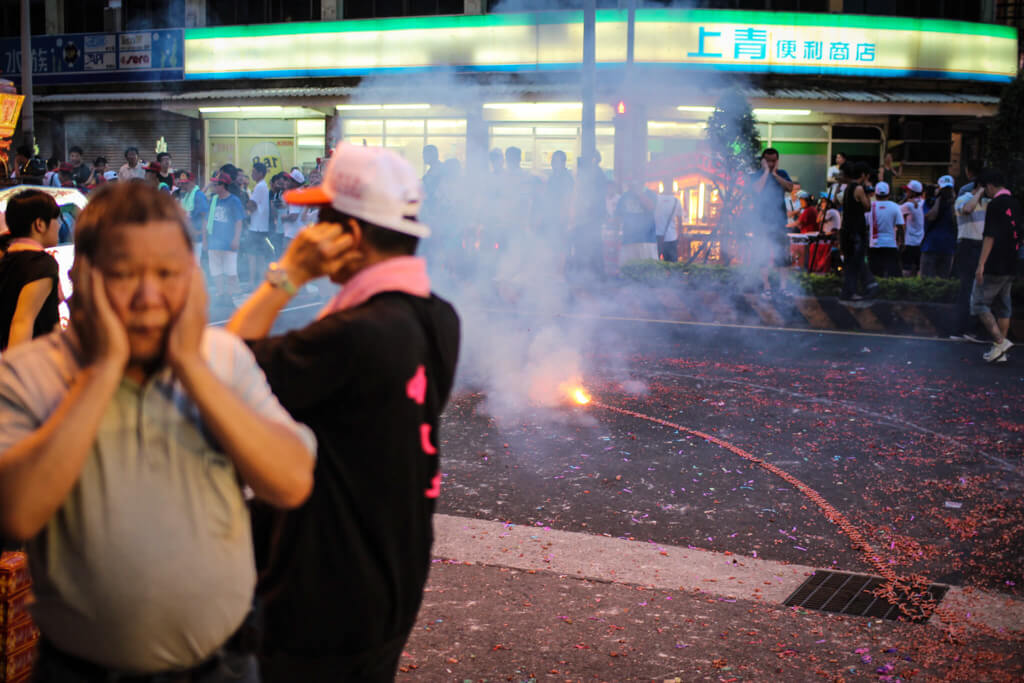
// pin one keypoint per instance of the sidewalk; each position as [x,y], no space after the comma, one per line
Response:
[569,606]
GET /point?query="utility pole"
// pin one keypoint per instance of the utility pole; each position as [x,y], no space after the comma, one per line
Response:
[27,115]
[588,142]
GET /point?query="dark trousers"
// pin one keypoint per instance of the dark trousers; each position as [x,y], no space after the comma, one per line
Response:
[54,666]
[968,253]
[912,259]
[936,264]
[379,666]
[885,262]
[668,250]
[855,267]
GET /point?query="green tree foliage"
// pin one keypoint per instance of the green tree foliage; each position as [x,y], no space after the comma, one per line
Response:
[1006,143]
[733,146]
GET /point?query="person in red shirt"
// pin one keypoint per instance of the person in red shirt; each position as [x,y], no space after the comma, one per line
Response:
[808,220]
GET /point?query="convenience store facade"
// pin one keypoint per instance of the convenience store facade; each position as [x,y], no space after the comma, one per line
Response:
[819,83]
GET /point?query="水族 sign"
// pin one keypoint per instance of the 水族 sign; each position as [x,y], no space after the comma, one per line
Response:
[722,40]
[157,55]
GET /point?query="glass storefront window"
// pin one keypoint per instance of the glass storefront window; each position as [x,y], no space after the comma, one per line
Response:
[266,127]
[222,151]
[222,126]
[362,127]
[311,127]
[403,127]
[365,141]
[278,154]
[449,147]
[280,144]
[446,127]
[794,131]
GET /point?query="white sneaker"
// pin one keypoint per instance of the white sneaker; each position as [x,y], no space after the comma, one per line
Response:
[1003,358]
[998,350]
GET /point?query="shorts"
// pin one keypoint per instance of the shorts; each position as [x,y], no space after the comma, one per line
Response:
[992,296]
[911,258]
[223,262]
[257,244]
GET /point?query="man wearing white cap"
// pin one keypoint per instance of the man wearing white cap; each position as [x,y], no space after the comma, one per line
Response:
[883,219]
[345,576]
[913,218]
[291,220]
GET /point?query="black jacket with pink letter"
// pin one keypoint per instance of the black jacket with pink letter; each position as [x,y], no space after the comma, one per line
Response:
[346,571]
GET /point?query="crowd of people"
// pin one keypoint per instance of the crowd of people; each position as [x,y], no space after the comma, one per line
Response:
[871,230]
[862,225]
[206,504]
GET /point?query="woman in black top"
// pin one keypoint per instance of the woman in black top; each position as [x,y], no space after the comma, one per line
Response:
[29,279]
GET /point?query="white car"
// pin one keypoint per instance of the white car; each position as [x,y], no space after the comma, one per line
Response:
[71,201]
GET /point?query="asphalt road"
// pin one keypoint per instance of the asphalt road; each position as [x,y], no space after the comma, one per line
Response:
[917,441]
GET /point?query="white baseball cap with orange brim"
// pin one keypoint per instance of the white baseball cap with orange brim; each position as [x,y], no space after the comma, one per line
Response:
[370,183]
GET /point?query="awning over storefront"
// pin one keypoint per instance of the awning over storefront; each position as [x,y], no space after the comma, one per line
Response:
[320,101]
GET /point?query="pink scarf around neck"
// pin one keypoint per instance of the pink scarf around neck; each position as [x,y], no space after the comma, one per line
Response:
[407,274]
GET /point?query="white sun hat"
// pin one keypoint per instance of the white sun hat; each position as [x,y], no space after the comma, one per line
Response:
[370,183]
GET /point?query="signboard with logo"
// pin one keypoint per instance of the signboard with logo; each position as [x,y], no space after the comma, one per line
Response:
[722,40]
[99,57]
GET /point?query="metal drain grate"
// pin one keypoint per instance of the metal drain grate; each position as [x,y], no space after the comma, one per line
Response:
[845,593]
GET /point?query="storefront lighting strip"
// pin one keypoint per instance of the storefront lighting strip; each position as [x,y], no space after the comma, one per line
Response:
[673,125]
[509,130]
[252,110]
[537,105]
[379,107]
[782,112]
[557,132]
[699,110]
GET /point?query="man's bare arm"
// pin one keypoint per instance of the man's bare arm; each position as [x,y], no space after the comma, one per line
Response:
[30,302]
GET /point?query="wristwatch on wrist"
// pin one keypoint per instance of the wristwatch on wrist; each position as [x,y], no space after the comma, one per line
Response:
[277,277]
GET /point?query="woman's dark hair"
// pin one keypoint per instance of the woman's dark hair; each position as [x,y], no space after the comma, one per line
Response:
[991,176]
[25,207]
[382,239]
[52,163]
[117,204]
[100,161]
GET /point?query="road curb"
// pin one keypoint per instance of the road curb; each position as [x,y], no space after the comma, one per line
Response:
[803,312]
[723,575]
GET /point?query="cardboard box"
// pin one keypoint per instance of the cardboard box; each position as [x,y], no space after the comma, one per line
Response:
[14,576]
[18,664]
[14,609]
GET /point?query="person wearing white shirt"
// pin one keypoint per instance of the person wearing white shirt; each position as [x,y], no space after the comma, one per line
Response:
[883,219]
[913,217]
[668,215]
[133,168]
[970,208]
[257,243]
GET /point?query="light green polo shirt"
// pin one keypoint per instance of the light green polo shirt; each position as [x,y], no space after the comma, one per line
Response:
[148,565]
